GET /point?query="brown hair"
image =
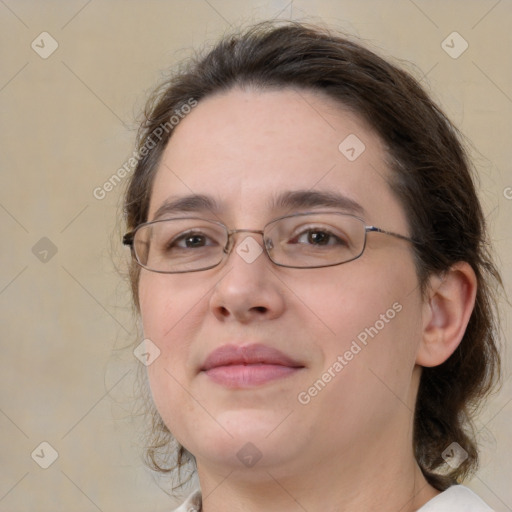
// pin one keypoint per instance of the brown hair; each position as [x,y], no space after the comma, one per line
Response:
[431,177]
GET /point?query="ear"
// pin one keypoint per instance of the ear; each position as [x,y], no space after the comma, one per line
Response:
[446,313]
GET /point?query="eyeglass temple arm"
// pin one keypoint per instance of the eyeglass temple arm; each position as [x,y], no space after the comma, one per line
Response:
[128,238]
[391,233]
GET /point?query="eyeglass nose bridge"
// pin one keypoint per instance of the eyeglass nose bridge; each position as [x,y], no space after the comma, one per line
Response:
[267,244]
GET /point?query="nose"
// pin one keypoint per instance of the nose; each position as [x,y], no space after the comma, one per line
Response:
[249,290]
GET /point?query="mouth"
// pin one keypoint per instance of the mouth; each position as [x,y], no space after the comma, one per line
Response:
[248,366]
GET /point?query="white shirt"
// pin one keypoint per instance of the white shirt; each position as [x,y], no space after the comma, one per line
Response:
[455,499]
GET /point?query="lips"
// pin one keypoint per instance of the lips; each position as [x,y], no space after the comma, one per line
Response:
[247,366]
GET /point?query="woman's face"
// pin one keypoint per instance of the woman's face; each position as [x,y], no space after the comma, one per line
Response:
[344,381]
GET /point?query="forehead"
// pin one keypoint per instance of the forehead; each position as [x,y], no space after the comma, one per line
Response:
[245,148]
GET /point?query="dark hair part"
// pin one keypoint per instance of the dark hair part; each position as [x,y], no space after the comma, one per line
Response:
[431,177]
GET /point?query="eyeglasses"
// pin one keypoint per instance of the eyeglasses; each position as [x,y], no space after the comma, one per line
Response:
[301,240]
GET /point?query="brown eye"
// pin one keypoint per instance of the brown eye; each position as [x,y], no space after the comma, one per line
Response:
[317,237]
[190,240]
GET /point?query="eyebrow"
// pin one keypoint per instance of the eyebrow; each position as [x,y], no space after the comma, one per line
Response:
[190,203]
[288,200]
[307,199]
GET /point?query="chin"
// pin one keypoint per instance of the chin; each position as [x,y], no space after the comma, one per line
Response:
[253,423]
[256,439]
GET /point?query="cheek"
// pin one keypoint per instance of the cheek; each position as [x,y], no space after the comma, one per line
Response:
[161,310]
[374,307]
[156,305]
[369,346]
[166,305]
[348,299]
[164,314]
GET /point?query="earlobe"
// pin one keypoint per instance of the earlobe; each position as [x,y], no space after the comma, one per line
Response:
[446,313]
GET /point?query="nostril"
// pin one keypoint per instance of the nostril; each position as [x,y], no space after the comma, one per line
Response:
[260,309]
[223,311]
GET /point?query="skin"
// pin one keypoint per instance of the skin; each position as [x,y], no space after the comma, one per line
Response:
[350,447]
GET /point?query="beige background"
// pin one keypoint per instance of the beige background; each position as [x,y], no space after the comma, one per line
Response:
[67,126]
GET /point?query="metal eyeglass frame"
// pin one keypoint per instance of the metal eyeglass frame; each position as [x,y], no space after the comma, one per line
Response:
[129,238]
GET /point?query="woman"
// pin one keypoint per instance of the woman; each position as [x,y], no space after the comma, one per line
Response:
[311,272]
